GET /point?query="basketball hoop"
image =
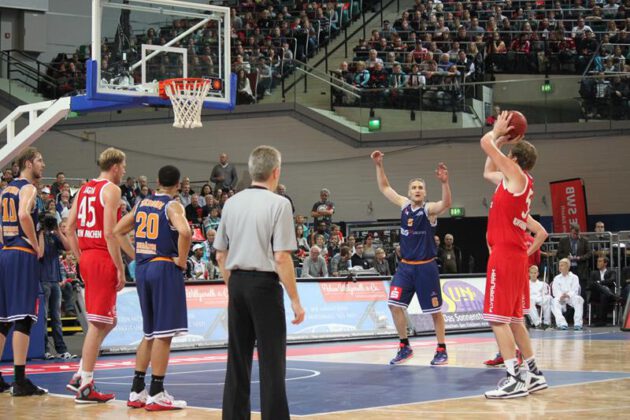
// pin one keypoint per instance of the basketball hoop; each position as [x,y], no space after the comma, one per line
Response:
[187,96]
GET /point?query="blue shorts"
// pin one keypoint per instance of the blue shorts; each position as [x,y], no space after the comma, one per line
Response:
[162,294]
[422,279]
[20,272]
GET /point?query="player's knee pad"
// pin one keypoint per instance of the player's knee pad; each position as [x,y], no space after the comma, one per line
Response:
[24,326]
[4,328]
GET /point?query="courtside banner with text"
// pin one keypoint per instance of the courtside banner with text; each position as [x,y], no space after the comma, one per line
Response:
[333,310]
[462,306]
[568,200]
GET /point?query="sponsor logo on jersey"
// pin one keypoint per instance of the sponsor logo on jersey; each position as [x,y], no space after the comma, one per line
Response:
[493,285]
[410,222]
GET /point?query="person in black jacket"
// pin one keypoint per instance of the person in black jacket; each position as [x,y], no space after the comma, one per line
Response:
[602,285]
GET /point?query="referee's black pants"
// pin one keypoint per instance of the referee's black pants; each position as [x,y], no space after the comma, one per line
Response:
[255,315]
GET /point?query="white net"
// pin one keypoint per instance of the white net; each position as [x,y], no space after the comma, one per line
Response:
[187,96]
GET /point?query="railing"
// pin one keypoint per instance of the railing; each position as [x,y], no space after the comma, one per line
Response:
[19,67]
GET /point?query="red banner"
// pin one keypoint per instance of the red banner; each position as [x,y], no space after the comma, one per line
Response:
[568,200]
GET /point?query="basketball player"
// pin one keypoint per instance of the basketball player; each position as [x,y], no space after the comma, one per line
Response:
[91,222]
[418,271]
[19,268]
[162,240]
[507,288]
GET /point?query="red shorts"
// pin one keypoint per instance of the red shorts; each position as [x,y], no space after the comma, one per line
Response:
[100,277]
[507,286]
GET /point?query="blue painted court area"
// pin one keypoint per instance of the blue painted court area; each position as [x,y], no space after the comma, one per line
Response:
[317,387]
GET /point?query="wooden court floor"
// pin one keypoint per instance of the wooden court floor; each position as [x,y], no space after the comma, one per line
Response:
[591,352]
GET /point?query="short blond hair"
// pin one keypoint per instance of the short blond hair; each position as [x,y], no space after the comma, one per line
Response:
[565,261]
[110,157]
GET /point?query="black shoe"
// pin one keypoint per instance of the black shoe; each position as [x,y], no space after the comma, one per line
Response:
[26,389]
[4,387]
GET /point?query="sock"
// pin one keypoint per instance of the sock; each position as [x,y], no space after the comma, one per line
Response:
[86,377]
[531,366]
[442,345]
[138,381]
[80,371]
[157,385]
[511,365]
[404,341]
[20,373]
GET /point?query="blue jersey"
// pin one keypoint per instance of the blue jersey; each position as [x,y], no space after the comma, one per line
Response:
[154,234]
[416,235]
[12,233]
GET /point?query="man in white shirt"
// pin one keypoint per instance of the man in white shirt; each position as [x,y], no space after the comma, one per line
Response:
[566,291]
[539,295]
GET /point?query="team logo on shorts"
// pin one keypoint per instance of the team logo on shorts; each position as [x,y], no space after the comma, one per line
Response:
[395,293]
[410,222]
[435,302]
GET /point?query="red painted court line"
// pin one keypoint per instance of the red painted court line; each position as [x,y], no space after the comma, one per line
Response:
[105,364]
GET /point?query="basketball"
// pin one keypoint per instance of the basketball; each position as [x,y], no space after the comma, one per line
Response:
[519,124]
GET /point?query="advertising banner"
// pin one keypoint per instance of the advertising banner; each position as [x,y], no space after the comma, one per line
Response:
[568,201]
[333,310]
[462,307]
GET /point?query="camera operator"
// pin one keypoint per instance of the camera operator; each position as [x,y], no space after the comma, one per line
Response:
[53,242]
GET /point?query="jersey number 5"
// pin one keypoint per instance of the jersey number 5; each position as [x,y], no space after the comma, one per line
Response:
[148,225]
[529,203]
[87,213]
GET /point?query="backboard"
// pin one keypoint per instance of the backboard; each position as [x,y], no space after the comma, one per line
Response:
[137,43]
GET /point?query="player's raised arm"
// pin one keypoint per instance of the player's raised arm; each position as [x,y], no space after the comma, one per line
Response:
[121,232]
[540,234]
[27,202]
[112,195]
[383,183]
[177,216]
[439,207]
[497,161]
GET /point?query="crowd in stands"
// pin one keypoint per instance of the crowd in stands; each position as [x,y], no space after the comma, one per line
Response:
[423,56]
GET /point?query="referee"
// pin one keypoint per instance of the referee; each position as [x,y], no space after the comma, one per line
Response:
[254,244]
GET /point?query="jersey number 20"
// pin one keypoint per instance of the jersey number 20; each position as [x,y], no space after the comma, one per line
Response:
[148,225]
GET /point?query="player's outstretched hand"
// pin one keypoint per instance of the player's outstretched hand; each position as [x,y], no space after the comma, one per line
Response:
[298,312]
[121,280]
[502,124]
[377,157]
[441,172]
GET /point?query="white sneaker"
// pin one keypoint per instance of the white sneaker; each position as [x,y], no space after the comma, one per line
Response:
[534,382]
[163,402]
[509,387]
[138,399]
[67,356]
[49,356]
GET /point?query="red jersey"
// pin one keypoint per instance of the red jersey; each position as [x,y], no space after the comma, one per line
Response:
[533,259]
[91,214]
[507,219]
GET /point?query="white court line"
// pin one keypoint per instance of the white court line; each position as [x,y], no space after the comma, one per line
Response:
[313,373]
